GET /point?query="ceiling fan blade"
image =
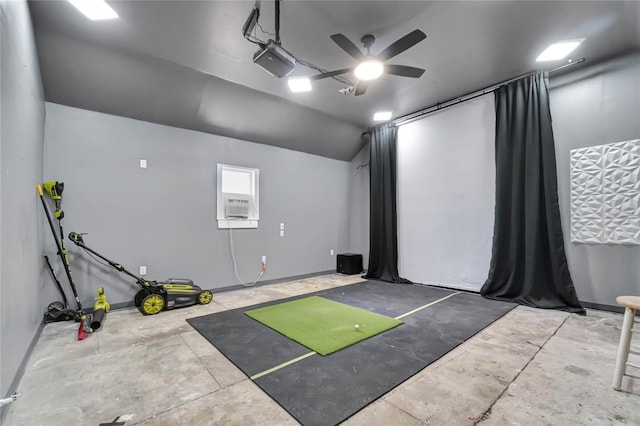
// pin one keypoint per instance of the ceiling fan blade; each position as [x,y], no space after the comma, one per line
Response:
[404,43]
[347,45]
[361,87]
[403,70]
[330,74]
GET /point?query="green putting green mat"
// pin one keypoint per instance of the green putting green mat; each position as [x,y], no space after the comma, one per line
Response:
[322,325]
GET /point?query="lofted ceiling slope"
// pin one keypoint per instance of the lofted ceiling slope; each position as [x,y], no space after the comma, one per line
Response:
[186,63]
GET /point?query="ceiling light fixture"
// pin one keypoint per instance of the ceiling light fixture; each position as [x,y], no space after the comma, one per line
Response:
[558,50]
[369,69]
[94,9]
[299,84]
[382,116]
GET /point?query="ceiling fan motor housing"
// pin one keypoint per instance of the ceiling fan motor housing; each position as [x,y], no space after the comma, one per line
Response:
[367,41]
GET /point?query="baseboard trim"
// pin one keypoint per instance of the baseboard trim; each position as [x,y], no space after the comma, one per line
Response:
[125,305]
[23,366]
[131,304]
[120,305]
[589,305]
[274,281]
[608,308]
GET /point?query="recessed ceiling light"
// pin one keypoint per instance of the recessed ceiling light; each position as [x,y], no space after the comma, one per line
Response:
[382,116]
[558,50]
[369,69]
[299,84]
[94,9]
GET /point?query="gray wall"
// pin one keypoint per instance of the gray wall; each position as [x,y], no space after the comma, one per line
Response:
[21,146]
[359,205]
[594,106]
[164,216]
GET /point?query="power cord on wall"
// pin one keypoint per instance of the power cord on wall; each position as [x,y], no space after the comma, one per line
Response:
[362,166]
[235,264]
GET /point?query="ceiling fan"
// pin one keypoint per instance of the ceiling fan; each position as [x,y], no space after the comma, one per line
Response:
[371,66]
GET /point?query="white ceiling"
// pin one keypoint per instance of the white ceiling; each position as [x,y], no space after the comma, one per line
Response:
[186,64]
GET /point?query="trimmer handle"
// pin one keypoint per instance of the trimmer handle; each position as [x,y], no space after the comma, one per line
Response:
[54,189]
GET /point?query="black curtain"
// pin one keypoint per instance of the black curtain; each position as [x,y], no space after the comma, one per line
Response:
[528,262]
[383,240]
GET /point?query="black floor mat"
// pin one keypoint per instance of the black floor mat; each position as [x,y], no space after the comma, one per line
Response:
[326,390]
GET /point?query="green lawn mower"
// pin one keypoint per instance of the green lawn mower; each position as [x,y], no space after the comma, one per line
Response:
[154,296]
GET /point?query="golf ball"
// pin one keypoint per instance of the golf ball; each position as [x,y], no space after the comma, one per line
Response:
[357,327]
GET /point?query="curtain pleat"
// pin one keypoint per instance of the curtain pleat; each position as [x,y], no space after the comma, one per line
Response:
[383,240]
[528,263]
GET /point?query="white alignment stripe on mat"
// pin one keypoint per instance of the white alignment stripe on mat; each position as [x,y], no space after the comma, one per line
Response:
[300,358]
[284,364]
[426,306]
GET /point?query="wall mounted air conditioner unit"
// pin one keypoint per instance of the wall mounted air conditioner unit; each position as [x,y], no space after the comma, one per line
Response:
[237,206]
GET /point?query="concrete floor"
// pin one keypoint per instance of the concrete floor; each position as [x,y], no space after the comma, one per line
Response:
[531,367]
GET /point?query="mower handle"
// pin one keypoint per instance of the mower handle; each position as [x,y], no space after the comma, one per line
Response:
[77,239]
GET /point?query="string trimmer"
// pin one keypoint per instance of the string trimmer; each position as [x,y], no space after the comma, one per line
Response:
[155,296]
[85,327]
[57,311]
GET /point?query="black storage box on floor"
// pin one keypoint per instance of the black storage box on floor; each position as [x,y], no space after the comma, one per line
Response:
[349,263]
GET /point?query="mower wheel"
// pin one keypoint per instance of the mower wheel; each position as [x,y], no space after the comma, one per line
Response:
[152,304]
[205,297]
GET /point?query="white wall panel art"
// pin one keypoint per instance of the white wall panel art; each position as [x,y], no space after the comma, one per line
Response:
[605,193]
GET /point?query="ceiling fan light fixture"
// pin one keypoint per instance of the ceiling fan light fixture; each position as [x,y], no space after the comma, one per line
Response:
[558,50]
[382,116]
[96,10]
[369,69]
[299,84]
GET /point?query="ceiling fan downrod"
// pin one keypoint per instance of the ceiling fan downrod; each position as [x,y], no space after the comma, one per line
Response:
[367,41]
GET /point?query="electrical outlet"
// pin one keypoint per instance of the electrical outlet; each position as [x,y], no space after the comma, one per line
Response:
[143,270]
[331,252]
[282,226]
[281,233]
[143,163]
[264,260]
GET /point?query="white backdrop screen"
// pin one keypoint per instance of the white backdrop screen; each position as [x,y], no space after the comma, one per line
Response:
[446,195]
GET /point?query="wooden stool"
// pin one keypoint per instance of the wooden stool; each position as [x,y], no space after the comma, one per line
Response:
[631,304]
